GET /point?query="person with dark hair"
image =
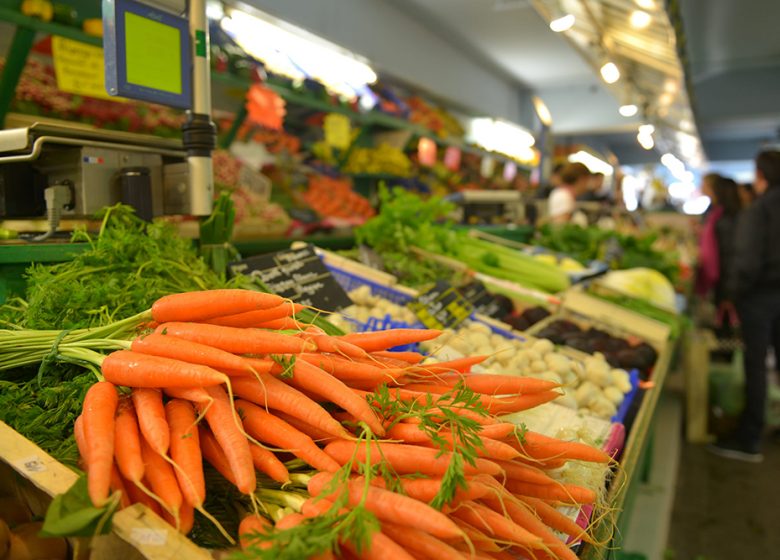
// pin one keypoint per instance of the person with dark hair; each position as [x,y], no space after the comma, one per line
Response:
[746,194]
[544,191]
[595,186]
[755,284]
[575,178]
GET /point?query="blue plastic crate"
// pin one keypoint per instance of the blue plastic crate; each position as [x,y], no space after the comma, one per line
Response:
[633,376]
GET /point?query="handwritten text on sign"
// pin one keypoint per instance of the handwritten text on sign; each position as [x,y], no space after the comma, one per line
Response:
[297,274]
[441,307]
[79,68]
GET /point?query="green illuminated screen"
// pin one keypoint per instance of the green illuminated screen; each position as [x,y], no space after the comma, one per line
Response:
[153,54]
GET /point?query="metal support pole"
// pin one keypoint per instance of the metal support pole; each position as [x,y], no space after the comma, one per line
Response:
[199,132]
[14,65]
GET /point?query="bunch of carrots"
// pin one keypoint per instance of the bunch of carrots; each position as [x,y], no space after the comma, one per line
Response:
[394,458]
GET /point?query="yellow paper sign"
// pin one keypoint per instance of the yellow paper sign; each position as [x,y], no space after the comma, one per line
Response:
[338,131]
[79,68]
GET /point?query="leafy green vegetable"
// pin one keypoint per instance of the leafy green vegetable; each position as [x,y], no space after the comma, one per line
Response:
[72,514]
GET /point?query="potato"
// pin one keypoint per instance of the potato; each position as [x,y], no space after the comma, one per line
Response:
[533,355]
[543,346]
[538,366]
[567,400]
[614,395]
[481,328]
[551,376]
[602,406]
[621,380]
[598,373]
[586,394]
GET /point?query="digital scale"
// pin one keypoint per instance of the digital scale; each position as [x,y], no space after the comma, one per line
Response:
[483,206]
[153,53]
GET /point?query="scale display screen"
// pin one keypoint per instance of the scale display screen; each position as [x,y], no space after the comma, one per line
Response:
[147,53]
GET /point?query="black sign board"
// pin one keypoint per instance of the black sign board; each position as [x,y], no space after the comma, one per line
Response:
[441,307]
[483,301]
[297,274]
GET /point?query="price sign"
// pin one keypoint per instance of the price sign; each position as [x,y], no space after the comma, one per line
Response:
[338,131]
[79,68]
[426,152]
[441,307]
[297,274]
[483,301]
[452,157]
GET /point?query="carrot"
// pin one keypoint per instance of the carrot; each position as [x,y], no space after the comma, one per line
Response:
[523,402]
[545,448]
[524,473]
[283,323]
[564,493]
[248,530]
[555,519]
[237,341]
[151,418]
[426,489]
[523,516]
[196,306]
[389,506]
[491,449]
[127,443]
[381,547]
[213,453]
[405,459]
[253,318]
[118,485]
[315,433]
[266,462]
[138,496]
[185,451]
[313,508]
[419,541]
[498,431]
[461,365]
[225,426]
[485,519]
[311,378]
[408,433]
[270,429]
[289,521]
[190,352]
[125,367]
[408,357]
[192,394]
[497,384]
[100,403]
[162,480]
[270,392]
[332,344]
[349,370]
[382,340]
[476,537]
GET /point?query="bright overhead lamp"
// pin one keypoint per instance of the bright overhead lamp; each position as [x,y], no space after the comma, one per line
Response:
[542,111]
[645,136]
[646,4]
[562,24]
[610,73]
[639,19]
[501,136]
[646,129]
[594,164]
[628,110]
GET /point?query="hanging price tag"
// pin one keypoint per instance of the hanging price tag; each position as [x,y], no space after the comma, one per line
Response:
[441,307]
[79,68]
[426,152]
[452,158]
[483,301]
[510,171]
[338,131]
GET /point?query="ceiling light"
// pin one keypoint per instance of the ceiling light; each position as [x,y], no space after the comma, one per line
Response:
[646,129]
[671,85]
[542,111]
[562,23]
[501,136]
[666,98]
[697,206]
[640,19]
[610,73]
[645,140]
[628,110]
[594,164]
[646,4]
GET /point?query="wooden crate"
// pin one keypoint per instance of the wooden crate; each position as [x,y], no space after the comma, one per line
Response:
[138,533]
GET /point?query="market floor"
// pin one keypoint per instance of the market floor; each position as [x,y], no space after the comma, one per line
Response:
[725,509]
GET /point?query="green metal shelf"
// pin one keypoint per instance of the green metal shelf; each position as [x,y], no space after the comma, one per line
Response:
[49,27]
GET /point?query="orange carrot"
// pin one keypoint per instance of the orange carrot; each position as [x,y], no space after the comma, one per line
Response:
[151,418]
[405,459]
[125,367]
[348,369]
[253,318]
[545,448]
[138,496]
[269,392]
[382,340]
[265,461]
[192,394]
[191,352]
[283,323]
[496,384]
[185,451]
[555,519]
[100,405]
[420,542]
[196,306]
[250,527]
[270,429]
[389,506]
[523,402]
[162,480]
[524,473]
[408,357]
[225,427]
[491,449]
[313,432]
[381,547]
[426,489]
[477,537]
[117,483]
[127,443]
[564,493]
[331,344]
[492,523]
[498,431]
[213,453]
[237,341]
[461,365]
[311,378]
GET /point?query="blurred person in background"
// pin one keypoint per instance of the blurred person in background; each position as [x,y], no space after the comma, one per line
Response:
[544,191]
[755,284]
[746,194]
[595,188]
[575,179]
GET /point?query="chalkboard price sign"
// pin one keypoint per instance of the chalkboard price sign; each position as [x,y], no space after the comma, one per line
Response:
[482,300]
[441,307]
[297,274]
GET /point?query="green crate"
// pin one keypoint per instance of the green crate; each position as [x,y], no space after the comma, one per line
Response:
[17,257]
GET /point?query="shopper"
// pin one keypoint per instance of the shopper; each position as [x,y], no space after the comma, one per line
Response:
[746,194]
[544,191]
[575,179]
[756,285]
[595,187]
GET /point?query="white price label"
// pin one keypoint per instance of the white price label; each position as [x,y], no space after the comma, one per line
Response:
[149,537]
[32,464]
